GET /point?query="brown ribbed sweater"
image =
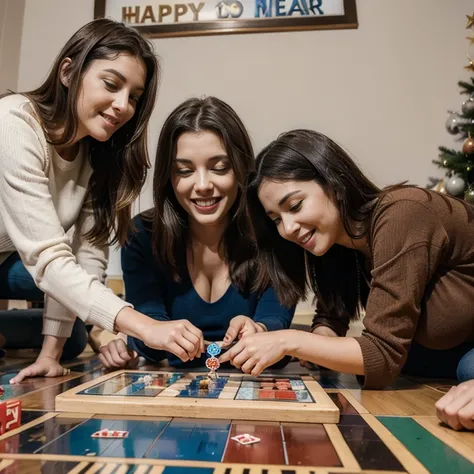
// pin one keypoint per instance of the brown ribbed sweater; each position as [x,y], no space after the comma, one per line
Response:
[422,288]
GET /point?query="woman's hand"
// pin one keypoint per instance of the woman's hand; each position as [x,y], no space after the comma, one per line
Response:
[180,337]
[456,408]
[43,367]
[116,355]
[254,353]
[241,326]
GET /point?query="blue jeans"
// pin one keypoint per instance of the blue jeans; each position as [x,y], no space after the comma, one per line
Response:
[23,328]
[457,362]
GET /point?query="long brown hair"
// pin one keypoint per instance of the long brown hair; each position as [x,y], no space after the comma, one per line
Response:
[305,155]
[119,164]
[170,220]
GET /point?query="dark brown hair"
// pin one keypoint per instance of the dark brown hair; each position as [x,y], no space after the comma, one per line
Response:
[305,155]
[170,220]
[119,164]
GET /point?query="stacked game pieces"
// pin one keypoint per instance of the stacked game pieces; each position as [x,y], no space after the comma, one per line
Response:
[147,380]
[212,362]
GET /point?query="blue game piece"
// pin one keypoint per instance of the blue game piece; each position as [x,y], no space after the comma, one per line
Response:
[213,349]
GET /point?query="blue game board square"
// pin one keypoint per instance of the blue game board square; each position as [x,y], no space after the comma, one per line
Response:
[248,384]
[303,396]
[247,394]
[297,384]
[212,394]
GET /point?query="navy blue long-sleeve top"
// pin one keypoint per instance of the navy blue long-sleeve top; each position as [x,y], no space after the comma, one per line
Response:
[155,294]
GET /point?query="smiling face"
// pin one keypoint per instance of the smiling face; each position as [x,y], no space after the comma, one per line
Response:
[202,178]
[108,96]
[304,214]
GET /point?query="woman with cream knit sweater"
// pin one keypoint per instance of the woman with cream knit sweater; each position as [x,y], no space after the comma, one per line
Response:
[73,158]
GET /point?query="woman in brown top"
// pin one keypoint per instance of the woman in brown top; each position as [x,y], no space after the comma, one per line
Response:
[405,255]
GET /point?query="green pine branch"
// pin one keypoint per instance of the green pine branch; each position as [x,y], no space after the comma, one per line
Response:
[468,115]
[466,87]
[447,152]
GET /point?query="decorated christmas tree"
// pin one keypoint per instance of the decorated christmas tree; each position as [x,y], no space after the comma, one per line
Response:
[460,164]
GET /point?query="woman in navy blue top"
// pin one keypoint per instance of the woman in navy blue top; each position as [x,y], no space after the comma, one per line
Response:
[191,260]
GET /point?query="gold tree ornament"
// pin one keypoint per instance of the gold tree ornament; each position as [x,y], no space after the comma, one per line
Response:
[470,21]
[468,146]
[470,67]
[471,39]
[469,195]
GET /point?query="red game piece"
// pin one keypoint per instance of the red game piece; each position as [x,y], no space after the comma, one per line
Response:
[213,363]
[106,433]
[10,415]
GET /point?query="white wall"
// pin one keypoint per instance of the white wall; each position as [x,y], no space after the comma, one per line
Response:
[11,24]
[382,90]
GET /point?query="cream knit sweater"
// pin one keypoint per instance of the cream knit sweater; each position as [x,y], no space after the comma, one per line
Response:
[42,196]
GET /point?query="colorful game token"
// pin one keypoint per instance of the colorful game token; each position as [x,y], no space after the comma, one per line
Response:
[246,439]
[213,363]
[213,349]
[106,433]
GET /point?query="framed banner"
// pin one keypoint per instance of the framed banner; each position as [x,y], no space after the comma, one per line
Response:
[165,18]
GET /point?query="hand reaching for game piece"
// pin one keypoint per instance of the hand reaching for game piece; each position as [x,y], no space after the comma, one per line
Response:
[254,353]
[456,408]
[116,355]
[180,337]
[42,367]
[239,327]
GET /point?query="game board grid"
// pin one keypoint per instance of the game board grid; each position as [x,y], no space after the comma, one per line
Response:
[230,387]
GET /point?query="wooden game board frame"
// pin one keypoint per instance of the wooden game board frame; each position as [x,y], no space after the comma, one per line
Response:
[322,411]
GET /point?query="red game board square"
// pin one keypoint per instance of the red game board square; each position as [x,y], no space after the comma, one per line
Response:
[285,395]
[266,394]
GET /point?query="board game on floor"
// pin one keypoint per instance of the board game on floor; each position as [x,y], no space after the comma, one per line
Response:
[231,396]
